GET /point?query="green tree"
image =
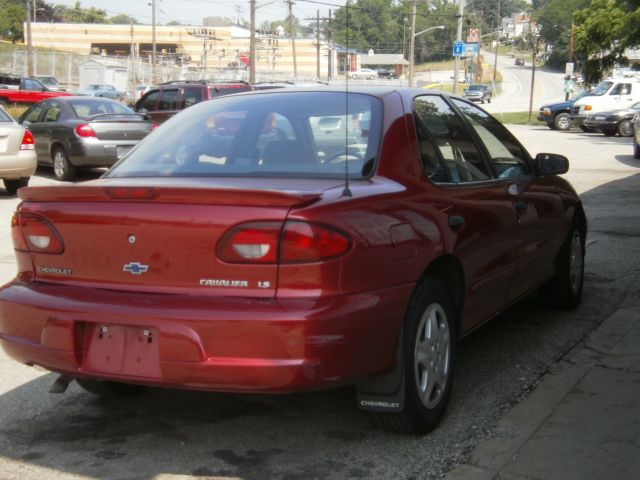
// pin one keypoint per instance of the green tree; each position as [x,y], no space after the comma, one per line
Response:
[11,20]
[603,31]
[77,14]
[556,19]
[123,20]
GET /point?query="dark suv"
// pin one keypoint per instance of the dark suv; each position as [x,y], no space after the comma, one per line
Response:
[167,99]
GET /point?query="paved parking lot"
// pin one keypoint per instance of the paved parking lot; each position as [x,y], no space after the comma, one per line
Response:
[165,434]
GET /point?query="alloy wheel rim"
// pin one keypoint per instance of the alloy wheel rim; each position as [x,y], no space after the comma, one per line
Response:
[626,129]
[576,263]
[432,356]
[563,123]
[58,164]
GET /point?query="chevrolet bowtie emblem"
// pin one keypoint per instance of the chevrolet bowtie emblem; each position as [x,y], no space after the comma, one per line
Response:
[135,268]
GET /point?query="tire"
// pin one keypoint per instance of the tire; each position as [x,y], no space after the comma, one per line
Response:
[562,121]
[636,151]
[106,388]
[12,186]
[63,169]
[564,290]
[489,99]
[625,128]
[429,352]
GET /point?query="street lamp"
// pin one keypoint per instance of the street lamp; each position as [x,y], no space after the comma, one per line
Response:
[413,41]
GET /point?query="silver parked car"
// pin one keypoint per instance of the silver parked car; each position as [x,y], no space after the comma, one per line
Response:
[17,153]
[73,132]
[478,93]
[99,90]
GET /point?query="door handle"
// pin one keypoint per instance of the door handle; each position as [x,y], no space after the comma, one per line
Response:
[456,222]
[521,207]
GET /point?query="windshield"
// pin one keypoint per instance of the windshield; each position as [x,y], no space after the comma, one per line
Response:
[601,89]
[476,87]
[292,134]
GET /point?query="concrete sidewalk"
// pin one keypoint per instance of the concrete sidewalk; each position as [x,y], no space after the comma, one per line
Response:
[581,422]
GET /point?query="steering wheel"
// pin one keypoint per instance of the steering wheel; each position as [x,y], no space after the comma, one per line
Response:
[343,156]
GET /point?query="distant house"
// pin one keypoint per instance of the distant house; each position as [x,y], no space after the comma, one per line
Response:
[517,25]
[390,61]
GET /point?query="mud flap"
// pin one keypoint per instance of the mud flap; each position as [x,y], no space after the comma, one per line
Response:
[384,392]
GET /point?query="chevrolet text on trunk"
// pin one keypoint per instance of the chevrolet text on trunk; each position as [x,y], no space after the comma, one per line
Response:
[292,240]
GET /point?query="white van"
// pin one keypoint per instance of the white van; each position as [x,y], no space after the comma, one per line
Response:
[611,94]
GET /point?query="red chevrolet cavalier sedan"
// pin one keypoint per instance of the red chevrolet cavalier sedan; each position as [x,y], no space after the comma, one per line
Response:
[282,241]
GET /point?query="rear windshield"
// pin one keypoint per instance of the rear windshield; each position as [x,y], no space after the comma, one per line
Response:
[4,116]
[85,108]
[283,133]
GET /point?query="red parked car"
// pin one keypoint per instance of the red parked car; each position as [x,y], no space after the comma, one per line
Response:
[290,240]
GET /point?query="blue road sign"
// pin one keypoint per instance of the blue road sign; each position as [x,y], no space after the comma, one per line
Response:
[461,49]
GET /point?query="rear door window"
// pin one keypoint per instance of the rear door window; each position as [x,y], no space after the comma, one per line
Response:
[169,99]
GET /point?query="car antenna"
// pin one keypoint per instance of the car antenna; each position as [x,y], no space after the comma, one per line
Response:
[346,192]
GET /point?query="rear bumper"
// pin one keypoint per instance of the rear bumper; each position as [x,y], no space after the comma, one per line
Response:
[218,344]
[18,166]
[99,153]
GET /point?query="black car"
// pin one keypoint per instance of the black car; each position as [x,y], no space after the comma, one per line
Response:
[383,73]
[519,62]
[83,132]
[615,121]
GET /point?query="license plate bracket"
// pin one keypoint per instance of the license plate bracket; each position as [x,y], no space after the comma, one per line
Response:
[122,350]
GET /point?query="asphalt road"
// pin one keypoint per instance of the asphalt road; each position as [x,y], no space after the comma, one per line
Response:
[167,434]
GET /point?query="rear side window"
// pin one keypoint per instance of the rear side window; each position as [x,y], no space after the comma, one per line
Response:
[54,112]
[293,134]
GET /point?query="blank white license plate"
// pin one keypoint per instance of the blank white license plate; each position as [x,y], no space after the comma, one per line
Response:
[122,151]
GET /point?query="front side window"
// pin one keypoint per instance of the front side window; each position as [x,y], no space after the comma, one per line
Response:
[169,99]
[507,156]
[289,134]
[150,100]
[621,89]
[447,151]
[191,96]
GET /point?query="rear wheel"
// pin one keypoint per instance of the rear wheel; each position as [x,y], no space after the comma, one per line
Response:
[625,128]
[429,350]
[564,290]
[12,186]
[62,168]
[110,389]
[562,121]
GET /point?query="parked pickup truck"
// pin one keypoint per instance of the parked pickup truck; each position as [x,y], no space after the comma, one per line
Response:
[26,90]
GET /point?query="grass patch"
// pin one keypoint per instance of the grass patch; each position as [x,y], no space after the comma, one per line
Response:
[16,111]
[519,118]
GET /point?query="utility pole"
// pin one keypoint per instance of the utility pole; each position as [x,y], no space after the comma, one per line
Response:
[153,42]
[460,16]
[205,35]
[292,28]
[534,38]
[252,43]
[330,50]
[412,41]
[495,59]
[29,45]
[318,44]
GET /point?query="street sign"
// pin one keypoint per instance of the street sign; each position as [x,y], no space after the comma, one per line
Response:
[461,49]
[568,70]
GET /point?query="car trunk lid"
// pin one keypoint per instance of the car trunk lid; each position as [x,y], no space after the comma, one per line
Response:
[10,138]
[120,127]
[157,235]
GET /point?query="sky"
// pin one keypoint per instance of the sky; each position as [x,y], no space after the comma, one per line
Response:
[193,11]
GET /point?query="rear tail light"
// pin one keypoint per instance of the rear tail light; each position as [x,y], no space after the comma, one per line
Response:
[270,243]
[155,126]
[84,130]
[28,142]
[33,233]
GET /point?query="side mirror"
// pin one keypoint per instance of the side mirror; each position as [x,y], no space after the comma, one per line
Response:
[26,123]
[551,164]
